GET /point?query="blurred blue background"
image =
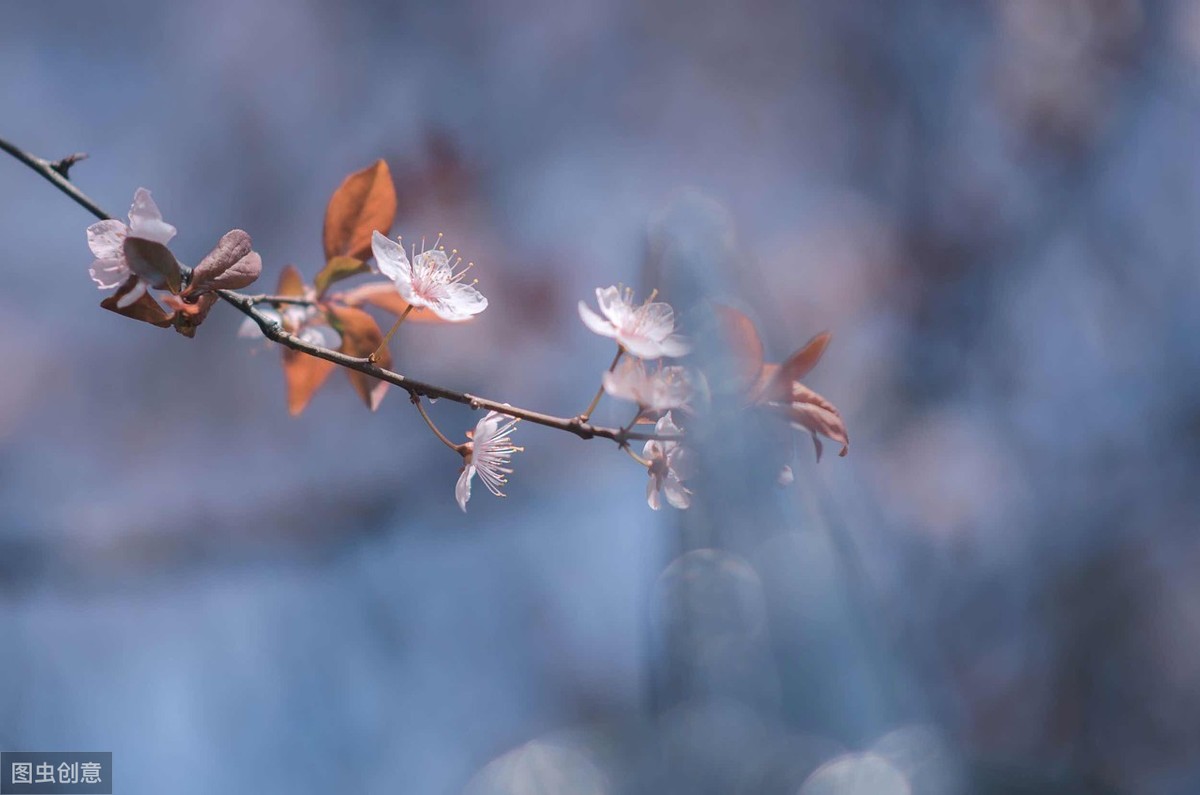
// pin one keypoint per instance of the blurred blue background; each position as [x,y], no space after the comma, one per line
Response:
[993,208]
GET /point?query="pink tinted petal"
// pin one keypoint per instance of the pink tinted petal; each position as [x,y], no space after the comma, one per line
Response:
[145,221]
[612,304]
[594,322]
[462,490]
[393,262]
[653,449]
[652,496]
[675,345]
[432,262]
[666,424]
[134,295]
[106,239]
[639,346]
[107,273]
[459,302]
[676,494]
[656,321]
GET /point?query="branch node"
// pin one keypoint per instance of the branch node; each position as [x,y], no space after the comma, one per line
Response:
[63,166]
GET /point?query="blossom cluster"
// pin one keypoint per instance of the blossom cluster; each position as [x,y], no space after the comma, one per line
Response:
[652,368]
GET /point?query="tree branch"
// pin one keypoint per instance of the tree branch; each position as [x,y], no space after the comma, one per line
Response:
[55,173]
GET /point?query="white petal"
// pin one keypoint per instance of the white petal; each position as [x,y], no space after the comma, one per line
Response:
[596,323]
[677,495]
[133,295]
[656,321]
[639,346]
[107,273]
[462,490]
[458,302]
[145,221]
[666,424]
[613,304]
[430,262]
[786,477]
[652,449]
[681,461]
[249,328]
[652,496]
[392,261]
[675,345]
[106,239]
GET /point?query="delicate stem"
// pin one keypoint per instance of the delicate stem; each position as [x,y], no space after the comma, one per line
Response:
[587,413]
[416,401]
[272,331]
[387,337]
[635,456]
[281,299]
[628,426]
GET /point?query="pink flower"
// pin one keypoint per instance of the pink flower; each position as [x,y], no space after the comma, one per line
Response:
[429,280]
[646,331]
[487,454]
[653,390]
[107,242]
[670,463]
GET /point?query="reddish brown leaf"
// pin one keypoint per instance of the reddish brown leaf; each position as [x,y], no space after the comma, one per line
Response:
[363,203]
[744,344]
[304,375]
[360,338]
[291,283]
[229,266]
[779,386]
[337,269]
[817,415]
[145,309]
[384,296]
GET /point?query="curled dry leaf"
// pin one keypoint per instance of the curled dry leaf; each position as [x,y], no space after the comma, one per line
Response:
[384,296]
[365,202]
[361,337]
[145,308]
[154,262]
[232,265]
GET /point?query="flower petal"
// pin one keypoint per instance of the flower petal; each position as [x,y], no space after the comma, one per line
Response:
[596,323]
[133,296]
[675,345]
[146,222]
[107,273]
[613,304]
[105,239]
[656,321]
[392,261]
[462,490]
[653,499]
[458,302]
[676,494]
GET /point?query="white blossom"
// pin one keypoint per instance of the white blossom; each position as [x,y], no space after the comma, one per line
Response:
[670,463]
[429,280]
[487,454]
[656,390]
[106,239]
[647,330]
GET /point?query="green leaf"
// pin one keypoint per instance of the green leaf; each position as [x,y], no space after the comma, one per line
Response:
[339,268]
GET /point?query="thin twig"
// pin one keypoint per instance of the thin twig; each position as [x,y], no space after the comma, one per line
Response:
[579,426]
[587,413]
[416,401]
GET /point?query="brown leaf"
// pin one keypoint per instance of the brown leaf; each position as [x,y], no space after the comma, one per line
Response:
[361,337]
[778,386]
[363,203]
[154,262]
[337,269]
[743,343]
[291,283]
[145,309]
[304,375]
[817,415]
[384,296]
[229,266]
